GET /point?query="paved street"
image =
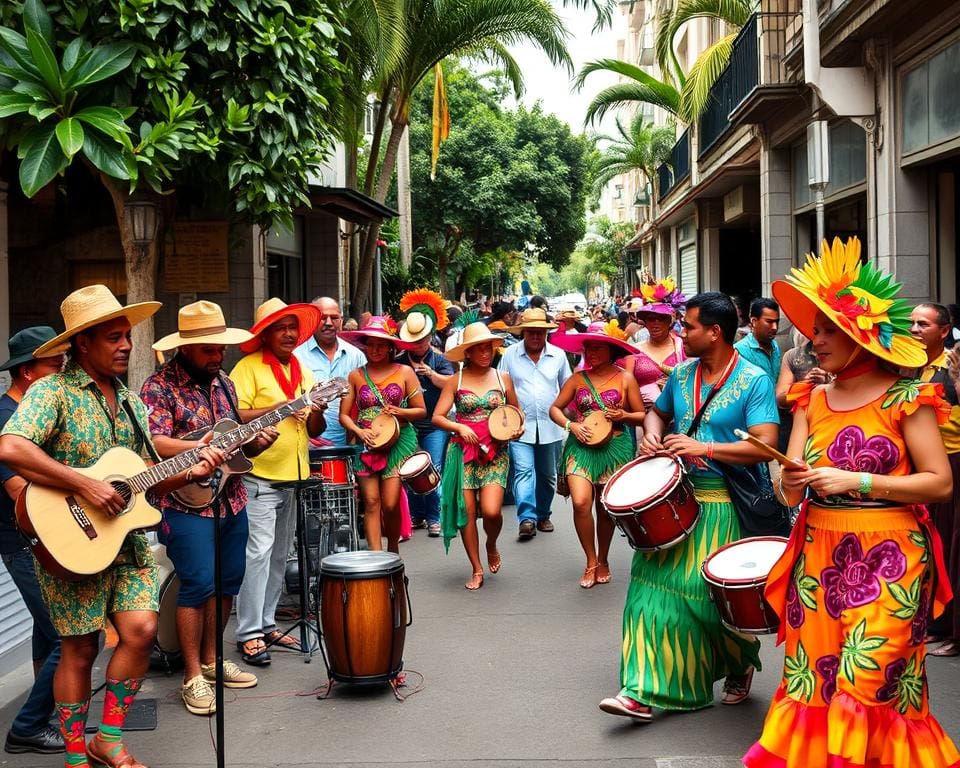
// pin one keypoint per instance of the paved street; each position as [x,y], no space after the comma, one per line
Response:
[511,676]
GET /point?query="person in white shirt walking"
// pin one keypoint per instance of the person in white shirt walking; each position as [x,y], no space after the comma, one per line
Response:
[538,370]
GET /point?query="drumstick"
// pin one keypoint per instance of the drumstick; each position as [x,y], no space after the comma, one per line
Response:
[773,453]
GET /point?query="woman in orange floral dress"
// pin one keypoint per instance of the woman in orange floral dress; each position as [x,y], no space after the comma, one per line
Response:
[863,567]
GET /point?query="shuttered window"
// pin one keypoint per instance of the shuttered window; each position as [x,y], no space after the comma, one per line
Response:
[689,283]
[16,625]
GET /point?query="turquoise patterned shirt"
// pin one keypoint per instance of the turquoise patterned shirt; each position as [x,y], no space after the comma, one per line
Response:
[747,399]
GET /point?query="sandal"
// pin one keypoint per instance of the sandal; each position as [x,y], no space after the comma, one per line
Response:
[603,573]
[475,575]
[254,651]
[276,637]
[736,688]
[589,577]
[109,755]
[949,648]
[627,707]
[494,565]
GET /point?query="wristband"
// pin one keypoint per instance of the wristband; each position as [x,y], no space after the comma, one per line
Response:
[866,484]
[709,450]
[567,426]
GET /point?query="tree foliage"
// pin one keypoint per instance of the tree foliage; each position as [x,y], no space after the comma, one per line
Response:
[641,146]
[509,182]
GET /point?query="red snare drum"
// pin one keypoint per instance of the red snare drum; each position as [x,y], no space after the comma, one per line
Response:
[418,474]
[652,503]
[333,471]
[736,575]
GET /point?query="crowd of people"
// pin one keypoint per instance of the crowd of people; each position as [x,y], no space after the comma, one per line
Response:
[864,402]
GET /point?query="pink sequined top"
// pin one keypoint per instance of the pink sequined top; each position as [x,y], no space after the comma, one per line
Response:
[585,403]
[368,404]
[645,368]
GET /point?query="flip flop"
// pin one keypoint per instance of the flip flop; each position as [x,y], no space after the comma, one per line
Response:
[259,656]
[276,637]
[949,648]
[627,707]
[494,565]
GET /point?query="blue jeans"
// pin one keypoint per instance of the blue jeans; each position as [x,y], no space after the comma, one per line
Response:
[36,710]
[534,478]
[427,507]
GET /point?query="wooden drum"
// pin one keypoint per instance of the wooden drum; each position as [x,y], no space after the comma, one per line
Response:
[364,615]
[601,429]
[386,432]
[419,475]
[504,422]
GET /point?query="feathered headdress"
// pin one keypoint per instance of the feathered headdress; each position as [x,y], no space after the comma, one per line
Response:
[426,314]
[858,298]
[663,292]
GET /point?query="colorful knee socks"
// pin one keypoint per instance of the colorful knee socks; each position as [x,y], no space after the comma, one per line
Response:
[73,722]
[116,701]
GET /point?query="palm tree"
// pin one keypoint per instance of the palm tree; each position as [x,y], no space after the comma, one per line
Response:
[682,94]
[641,146]
[436,29]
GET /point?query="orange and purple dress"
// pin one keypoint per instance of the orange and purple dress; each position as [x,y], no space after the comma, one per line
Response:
[854,590]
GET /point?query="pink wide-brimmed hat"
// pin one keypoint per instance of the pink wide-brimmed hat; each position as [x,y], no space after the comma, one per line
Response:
[377,327]
[608,333]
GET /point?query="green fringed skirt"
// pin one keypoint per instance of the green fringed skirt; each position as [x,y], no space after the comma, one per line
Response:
[674,645]
[596,464]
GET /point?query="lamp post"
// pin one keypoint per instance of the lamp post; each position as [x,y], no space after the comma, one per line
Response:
[141,213]
[818,170]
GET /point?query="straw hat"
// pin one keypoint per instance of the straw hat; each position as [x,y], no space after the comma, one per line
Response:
[568,313]
[532,318]
[23,343]
[90,306]
[473,334]
[202,323]
[609,333]
[272,310]
[426,313]
[858,298]
[377,327]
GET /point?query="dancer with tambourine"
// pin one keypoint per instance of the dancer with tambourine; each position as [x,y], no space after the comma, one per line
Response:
[388,399]
[605,399]
[476,466]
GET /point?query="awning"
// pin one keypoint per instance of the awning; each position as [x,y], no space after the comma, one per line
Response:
[349,204]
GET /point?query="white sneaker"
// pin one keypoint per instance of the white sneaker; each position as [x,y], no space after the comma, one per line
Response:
[233,676]
[198,696]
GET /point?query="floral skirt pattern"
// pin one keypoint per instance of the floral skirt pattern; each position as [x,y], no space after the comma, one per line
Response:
[476,475]
[854,687]
[674,644]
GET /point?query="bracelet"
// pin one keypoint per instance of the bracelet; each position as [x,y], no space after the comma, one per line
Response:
[710,450]
[566,426]
[866,484]
[190,475]
[783,492]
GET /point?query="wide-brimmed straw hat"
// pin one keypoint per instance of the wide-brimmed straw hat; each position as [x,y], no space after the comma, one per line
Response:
[473,334]
[202,323]
[23,343]
[609,333]
[858,298]
[90,306]
[271,310]
[568,313]
[377,327]
[532,318]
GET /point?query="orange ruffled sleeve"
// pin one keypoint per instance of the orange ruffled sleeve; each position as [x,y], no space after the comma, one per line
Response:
[932,395]
[798,396]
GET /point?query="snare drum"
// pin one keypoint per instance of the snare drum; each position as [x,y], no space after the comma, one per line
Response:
[504,422]
[652,502]
[736,575]
[364,615]
[419,475]
[386,432]
[332,464]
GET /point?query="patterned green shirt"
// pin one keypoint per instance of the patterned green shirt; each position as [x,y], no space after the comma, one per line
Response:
[67,415]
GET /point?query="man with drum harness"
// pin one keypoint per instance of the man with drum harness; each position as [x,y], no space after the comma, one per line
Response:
[538,370]
[185,398]
[267,377]
[668,600]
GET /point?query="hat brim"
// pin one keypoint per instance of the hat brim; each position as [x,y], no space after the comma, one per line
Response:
[410,338]
[360,338]
[135,313]
[458,353]
[802,309]
[229,337]
[542,325]
[573,342]
[308,316]
[655,309]
[13,362]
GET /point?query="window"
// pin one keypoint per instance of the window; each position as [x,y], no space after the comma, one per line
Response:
[286,268]
[848,163]
[930,107]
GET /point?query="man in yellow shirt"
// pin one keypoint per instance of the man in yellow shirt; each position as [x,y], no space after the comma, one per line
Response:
[269,376]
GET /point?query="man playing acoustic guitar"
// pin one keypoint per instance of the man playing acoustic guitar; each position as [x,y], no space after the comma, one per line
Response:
[71,419]
[189,394]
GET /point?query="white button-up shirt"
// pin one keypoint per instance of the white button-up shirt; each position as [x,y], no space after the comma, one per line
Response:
[537,385]
[347,358]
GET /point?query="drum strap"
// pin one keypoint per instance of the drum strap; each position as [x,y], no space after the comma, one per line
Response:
[593,390]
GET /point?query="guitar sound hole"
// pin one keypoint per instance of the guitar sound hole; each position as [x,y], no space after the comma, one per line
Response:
[122,489]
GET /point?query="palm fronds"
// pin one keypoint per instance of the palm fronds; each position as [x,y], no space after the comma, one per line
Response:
[696,92]
[648,91]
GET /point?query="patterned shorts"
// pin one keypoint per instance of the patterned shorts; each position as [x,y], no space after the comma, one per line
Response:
[82,607]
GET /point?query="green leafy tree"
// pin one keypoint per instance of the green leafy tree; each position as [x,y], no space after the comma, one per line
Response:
[435,30]
[233,99]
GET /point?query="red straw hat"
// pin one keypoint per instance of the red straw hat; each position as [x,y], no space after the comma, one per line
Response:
[272,310]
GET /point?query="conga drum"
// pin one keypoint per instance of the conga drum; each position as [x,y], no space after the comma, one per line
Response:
[651,501]
[503,422]
[418,474]
[364,615]
[736,575]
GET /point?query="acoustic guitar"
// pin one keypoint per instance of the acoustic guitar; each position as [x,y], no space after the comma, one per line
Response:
[73,539]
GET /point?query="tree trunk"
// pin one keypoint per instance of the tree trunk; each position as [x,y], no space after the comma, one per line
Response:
[140,266]
[361,293]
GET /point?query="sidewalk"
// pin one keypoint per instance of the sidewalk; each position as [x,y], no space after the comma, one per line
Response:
[511,676]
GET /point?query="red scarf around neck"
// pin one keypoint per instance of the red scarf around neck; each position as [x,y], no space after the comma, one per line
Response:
[291,385]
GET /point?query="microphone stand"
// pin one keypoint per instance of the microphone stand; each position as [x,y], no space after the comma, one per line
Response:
[215,479]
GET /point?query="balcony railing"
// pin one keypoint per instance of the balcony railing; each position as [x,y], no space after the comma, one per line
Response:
[754,81]
[677,168]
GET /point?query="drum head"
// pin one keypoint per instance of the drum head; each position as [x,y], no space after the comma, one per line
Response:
[642,479]
[748,561]
[360,564]
[414,464]
[504,421]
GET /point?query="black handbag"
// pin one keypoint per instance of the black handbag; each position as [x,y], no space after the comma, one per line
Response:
[751,491]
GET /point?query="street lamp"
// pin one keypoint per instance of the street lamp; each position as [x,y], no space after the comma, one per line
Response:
[141,211]
[818,170]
